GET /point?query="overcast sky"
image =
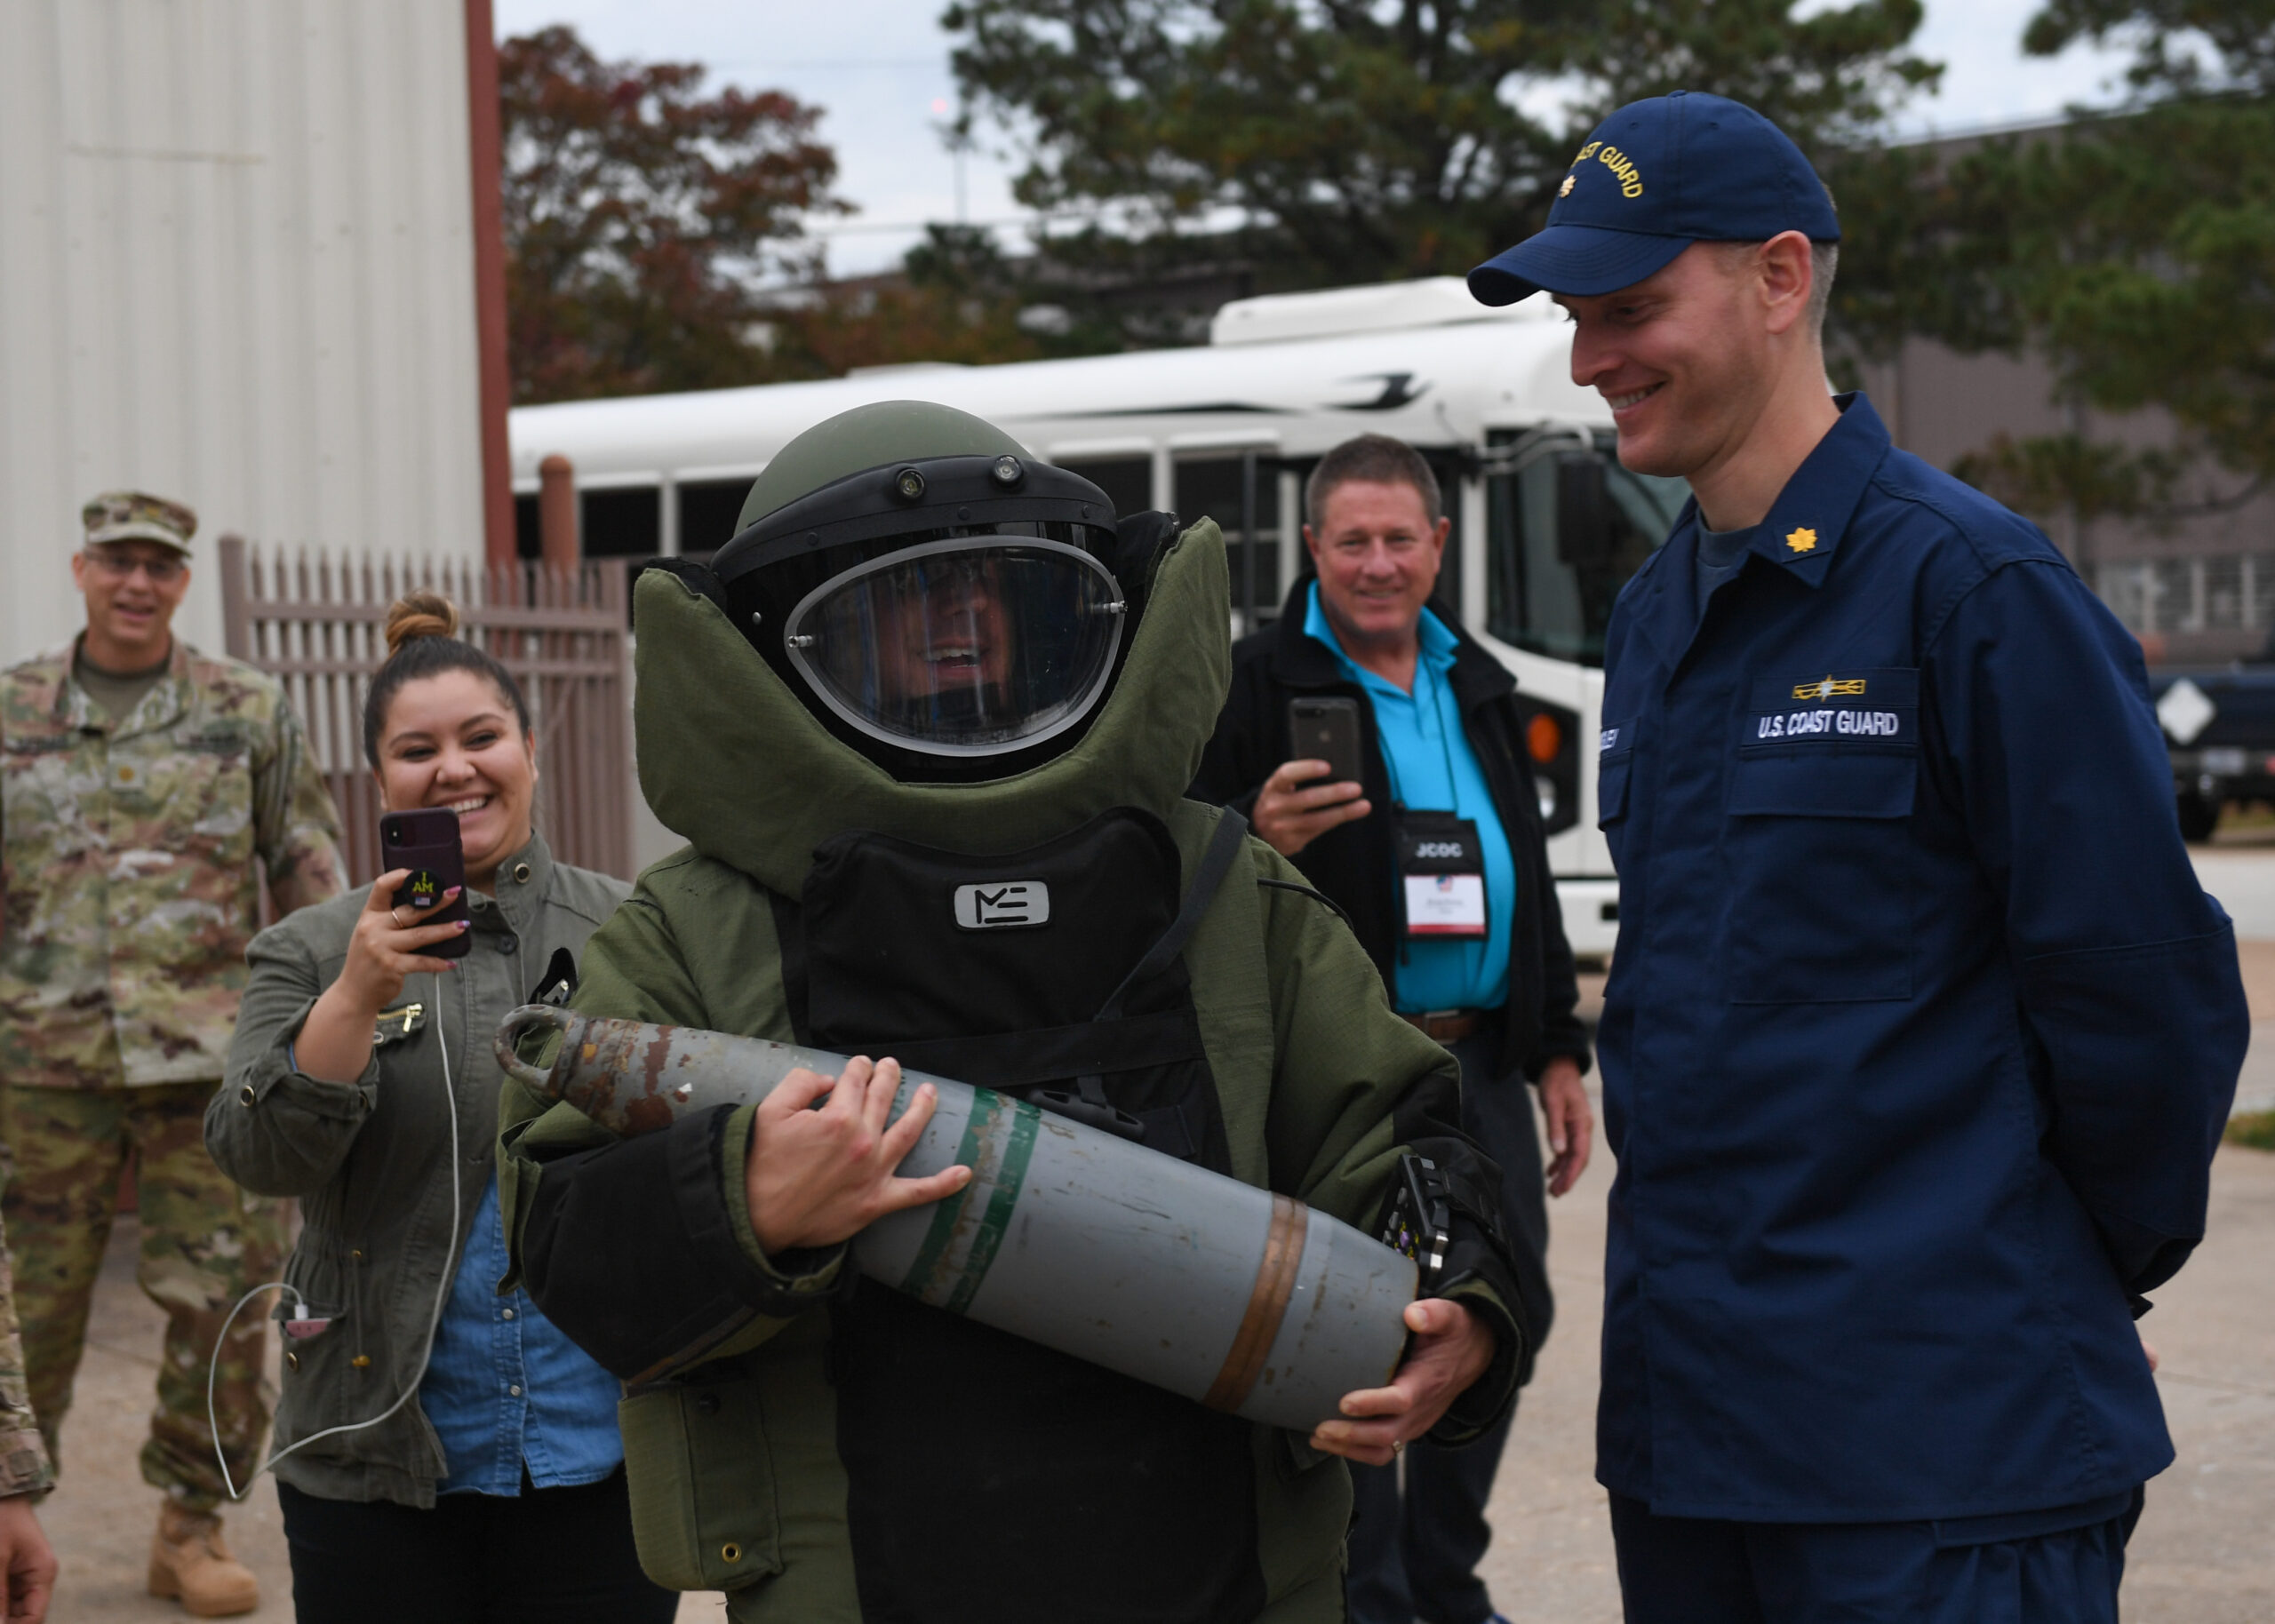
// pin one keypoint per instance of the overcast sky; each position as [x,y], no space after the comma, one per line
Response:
[880,67]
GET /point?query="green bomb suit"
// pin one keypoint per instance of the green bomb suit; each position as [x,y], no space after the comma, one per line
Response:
[752,1470]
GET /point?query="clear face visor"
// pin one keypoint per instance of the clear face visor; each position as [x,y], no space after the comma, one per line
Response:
[973,647]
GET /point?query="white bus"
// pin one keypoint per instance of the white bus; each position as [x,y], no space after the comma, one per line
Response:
[1547,526]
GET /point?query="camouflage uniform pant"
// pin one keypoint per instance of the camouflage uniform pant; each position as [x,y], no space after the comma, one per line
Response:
[203,1243]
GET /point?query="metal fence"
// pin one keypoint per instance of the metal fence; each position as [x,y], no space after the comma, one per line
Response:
[317,623]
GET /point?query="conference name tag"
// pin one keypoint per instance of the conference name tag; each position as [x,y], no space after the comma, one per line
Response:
[1445,904]
[1441,864]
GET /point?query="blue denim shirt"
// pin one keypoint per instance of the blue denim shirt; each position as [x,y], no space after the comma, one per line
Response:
[1433,768]
[506,1389]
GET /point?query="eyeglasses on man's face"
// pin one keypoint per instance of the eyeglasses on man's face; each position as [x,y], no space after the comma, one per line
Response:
[118,566]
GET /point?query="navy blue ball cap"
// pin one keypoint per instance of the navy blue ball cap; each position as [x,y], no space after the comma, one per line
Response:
[1655,176]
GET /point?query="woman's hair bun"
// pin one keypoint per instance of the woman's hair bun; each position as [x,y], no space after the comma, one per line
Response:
[419,614]
[423,643]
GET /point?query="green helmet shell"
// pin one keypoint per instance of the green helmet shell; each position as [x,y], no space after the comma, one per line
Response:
[868,437]
[935,597]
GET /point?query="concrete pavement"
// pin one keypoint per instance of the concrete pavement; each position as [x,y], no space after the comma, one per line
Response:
[2256,1088]
[101,1518]
[2243,879]
[2239,871]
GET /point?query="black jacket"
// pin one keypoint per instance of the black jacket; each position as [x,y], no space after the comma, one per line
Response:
[1353,863]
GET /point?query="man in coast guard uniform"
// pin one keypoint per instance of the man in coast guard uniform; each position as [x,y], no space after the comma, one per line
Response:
[1921,1033]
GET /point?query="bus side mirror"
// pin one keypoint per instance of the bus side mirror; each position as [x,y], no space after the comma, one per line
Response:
[1583,527]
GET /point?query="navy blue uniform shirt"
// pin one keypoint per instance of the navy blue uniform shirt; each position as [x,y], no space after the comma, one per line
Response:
[1921,1034]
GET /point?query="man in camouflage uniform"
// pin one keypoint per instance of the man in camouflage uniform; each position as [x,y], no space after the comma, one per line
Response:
[145,788]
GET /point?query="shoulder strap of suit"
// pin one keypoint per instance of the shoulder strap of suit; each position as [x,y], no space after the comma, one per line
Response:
[1088,1103]
[1217,861]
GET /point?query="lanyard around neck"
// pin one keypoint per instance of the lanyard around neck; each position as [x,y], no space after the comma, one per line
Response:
[1436,700]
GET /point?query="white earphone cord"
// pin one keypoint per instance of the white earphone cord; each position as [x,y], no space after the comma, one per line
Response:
[442,1297]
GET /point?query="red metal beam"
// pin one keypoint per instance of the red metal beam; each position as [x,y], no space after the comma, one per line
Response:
[485,144]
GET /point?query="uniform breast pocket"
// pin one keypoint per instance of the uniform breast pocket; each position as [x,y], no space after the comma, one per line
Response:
[204,787]
[42,787]
[1819,841]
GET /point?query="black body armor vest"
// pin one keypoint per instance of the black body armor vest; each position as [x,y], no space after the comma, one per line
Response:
[974,1456]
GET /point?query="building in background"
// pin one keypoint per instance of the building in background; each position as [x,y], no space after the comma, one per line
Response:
[2198,589]
[244,269]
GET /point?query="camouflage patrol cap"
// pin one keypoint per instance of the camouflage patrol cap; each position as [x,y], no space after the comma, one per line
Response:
[136,515]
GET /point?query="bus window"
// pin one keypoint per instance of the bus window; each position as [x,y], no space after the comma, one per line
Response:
[621,521]
[1211,486]
[707,512]
[1128,481]
[1536,599]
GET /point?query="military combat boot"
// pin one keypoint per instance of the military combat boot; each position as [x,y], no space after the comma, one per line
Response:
[189,1564]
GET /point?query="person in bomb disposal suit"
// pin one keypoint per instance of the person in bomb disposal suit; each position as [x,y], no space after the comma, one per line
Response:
[925,665]
[1438,859]
[145,789]
[1921,1033]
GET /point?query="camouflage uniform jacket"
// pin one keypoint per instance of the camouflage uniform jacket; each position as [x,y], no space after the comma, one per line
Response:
[126,854]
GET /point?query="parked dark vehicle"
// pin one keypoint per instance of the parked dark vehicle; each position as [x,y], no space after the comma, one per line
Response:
[2219,723]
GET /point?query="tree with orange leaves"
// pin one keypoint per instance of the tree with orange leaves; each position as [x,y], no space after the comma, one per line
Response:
[641,213]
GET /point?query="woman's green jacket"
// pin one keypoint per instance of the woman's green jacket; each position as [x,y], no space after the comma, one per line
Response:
[371,1161]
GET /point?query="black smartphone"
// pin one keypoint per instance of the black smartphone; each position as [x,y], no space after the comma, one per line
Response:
[427,843]
[1326,727]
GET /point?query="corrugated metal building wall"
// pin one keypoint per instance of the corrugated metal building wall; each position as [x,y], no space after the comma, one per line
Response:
[236,268]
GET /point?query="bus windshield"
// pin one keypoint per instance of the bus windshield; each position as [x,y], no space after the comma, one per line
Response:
[1537,598]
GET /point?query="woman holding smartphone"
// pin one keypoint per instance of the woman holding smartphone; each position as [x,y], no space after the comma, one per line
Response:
[443,1453]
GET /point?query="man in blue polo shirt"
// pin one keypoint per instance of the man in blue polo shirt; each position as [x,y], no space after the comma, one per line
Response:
[1921,1033]
[1436,855]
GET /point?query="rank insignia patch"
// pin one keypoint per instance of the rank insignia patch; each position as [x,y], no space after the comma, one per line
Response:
[1569,182]
[1831,688]
[1802,540]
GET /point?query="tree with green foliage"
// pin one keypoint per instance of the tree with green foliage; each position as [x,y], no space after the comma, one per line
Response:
[1374,142]
[2135,252]
[1335,141]
[1830,80]
[2165,35]
[957,299]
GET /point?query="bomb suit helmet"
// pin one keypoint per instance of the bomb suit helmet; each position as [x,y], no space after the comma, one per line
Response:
[937,599]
